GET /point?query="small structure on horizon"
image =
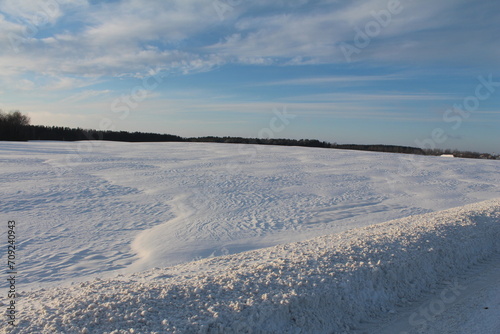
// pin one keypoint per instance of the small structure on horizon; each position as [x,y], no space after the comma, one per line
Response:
[447,155]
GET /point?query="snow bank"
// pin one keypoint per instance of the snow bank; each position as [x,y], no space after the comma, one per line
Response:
[323,285]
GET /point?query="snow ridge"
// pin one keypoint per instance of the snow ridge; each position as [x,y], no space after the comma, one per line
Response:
[323,285]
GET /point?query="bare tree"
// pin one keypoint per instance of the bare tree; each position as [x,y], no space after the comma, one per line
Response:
[13,125]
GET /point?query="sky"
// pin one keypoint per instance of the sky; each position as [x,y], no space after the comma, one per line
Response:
[417,73]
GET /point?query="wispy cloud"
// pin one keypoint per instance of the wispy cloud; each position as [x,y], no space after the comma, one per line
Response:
[85,95]
[77,56]
[120,37]
[331,79]
[372,97]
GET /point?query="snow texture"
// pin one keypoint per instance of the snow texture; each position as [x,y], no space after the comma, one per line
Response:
[89,211]
[329,284]
[468,303]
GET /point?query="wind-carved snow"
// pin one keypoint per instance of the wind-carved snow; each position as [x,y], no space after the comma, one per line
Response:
[328,284]
[122,207]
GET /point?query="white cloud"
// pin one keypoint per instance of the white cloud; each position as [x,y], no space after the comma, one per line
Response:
[368,98]
[355,79]
[83,42]
[424,31]
[115,39]
[85,95]
[35,13]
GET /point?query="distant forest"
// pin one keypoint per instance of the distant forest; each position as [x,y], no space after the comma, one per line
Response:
[15,126]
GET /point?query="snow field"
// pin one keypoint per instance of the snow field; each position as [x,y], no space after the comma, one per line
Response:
[327,284]
[127,207]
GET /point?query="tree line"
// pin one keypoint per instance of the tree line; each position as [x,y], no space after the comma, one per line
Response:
[13,126]
[309,143]
[16,126]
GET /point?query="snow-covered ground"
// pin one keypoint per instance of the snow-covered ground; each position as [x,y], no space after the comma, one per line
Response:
[328,284]
[474,308]
[101,209]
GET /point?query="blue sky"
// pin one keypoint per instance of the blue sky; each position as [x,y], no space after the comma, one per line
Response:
[417,73]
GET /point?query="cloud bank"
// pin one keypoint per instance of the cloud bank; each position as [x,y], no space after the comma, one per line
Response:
[58,44]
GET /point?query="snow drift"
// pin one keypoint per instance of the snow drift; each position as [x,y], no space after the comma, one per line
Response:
[130,207]
[323,285]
